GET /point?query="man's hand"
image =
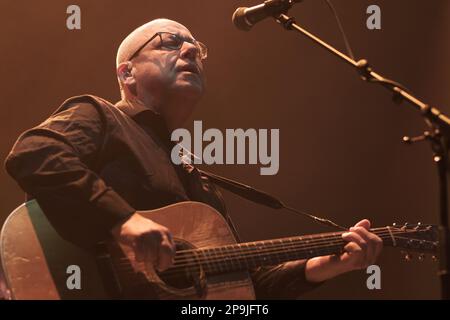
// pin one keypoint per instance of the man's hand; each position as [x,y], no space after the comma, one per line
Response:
[150,241]
[362,250]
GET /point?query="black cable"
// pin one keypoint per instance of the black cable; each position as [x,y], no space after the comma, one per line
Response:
[350,51]
[341,29]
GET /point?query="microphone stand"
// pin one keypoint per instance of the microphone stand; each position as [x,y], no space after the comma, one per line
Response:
[438,135]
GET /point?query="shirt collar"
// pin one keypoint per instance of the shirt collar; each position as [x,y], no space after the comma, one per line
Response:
[132,109]
[147,117]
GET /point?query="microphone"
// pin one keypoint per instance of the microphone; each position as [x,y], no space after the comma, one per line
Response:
[245,18]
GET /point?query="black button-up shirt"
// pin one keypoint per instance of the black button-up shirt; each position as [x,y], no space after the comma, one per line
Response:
[92,164]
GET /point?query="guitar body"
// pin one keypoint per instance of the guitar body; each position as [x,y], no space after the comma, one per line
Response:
[38,264]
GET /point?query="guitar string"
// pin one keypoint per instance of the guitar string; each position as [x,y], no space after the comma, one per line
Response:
[233,250]
[258,250]
[254,254]
[269,244]
[295,242]
[197,265]
[173,272]
[169,274]
[239,259]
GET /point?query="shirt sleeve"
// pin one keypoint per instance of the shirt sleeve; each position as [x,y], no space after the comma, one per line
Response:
[283,281]
[54,163]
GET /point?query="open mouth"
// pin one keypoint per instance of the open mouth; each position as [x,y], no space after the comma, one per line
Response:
[189,68]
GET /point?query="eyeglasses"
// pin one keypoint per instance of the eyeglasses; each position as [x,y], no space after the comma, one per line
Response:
[172,41]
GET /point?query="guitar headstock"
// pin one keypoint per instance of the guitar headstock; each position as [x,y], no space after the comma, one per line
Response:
[418,238]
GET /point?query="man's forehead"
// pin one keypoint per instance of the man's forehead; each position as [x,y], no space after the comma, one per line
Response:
[167,26]
[136,38]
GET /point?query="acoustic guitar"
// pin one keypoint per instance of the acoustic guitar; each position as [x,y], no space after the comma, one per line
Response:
[37,263]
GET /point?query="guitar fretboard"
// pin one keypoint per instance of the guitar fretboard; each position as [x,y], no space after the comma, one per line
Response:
[245,256]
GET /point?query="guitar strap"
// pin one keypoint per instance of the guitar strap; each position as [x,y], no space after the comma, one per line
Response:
[244,190]
[263,198]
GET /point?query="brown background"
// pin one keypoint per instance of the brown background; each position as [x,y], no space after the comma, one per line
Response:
[341,154]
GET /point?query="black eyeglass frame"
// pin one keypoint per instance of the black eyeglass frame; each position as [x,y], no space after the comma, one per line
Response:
[202,49]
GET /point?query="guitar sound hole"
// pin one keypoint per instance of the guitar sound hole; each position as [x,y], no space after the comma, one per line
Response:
[179,276]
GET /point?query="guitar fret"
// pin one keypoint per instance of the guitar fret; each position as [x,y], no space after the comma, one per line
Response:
[216,254]
[246,261]
[237,259]
[268,246]
[299,244]
[295,254]
[320,249]
[253,258]
[228,259]
[271,256]
[283,255]
[207,256]
[312,250]
[221,260]
[250,255]
[202,255]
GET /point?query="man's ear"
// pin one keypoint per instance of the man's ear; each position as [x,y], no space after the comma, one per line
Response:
[124,73]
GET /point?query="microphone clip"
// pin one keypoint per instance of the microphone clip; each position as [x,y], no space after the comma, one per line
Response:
[278,7]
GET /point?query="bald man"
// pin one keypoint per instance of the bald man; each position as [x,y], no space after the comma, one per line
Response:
[92,166]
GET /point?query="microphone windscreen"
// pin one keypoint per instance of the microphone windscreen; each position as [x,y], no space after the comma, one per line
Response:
[239,19]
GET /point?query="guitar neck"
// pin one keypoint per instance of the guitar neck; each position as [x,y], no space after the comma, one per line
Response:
[245,256]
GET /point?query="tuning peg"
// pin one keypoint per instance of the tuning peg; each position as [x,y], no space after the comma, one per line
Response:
[407,256]
[434,258]
[418,226]
[421,257]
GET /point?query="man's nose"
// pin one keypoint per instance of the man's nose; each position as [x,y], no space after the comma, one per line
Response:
[189,51]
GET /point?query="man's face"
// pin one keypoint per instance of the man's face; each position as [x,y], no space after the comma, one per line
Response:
[161,71]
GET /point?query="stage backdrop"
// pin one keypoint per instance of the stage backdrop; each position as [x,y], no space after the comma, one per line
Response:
[341,151]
